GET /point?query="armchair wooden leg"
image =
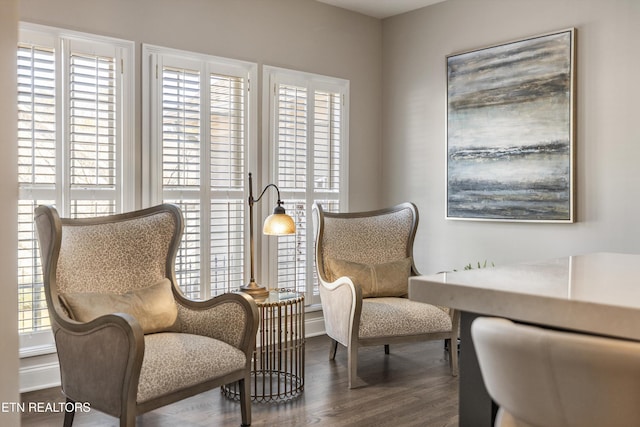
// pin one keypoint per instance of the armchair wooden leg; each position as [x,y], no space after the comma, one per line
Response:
[386,349]
[245,400]
[333,348]
[352,362]
[68,415]
[128,418]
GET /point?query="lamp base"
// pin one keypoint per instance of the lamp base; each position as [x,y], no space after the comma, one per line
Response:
[255,290]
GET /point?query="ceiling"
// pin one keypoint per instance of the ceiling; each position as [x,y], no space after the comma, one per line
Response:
[381,8]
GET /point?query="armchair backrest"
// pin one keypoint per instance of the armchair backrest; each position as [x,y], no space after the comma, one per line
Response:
[372,237]
[107,254]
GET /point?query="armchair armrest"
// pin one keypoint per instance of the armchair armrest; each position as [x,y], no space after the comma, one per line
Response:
[100,360]
[232,318]
[341,306]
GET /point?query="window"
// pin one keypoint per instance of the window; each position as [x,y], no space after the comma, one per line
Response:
[76,151]
[308,152]
[74,138]
[200,110]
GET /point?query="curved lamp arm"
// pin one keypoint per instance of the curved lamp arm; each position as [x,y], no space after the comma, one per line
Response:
[252,200]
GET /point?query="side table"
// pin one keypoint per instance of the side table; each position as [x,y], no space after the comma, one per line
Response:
[277,372]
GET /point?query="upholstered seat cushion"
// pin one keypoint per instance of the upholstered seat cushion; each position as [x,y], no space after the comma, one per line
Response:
[400,316]
[174,361]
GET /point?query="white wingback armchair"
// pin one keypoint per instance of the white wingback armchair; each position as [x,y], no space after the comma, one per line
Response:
[363,261]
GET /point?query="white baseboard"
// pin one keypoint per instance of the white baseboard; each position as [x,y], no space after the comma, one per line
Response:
[41,372]
[314,327]
[39,376]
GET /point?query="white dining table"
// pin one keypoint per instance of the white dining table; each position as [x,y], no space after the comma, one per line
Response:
[597,293]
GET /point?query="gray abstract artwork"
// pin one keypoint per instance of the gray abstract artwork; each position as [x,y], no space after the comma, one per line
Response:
[509,131]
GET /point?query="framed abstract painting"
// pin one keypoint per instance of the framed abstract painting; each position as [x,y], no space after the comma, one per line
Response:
[510,131]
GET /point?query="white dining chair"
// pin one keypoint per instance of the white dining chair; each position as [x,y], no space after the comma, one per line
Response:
[549,378]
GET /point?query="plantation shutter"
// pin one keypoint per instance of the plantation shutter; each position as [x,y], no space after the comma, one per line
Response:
[181,137]
[327,142]
[93,134]
[36,174]
[292,106]
[228,178]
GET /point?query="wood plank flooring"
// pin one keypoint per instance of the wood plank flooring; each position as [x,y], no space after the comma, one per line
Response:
[412,386]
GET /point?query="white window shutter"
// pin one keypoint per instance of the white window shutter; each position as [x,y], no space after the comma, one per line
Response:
[93,113]
[36,174]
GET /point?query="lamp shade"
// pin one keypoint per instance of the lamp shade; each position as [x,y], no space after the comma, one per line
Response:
[279,223]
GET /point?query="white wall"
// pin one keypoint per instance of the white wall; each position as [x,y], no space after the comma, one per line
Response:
[299,34]
[608,134]
[9,197]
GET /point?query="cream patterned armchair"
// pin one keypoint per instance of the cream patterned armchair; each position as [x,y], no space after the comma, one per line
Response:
[128,341]
[364,260]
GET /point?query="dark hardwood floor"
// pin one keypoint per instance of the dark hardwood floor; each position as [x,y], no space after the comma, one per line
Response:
[412,386]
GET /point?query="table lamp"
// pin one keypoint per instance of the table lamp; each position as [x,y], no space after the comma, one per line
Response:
[276,224]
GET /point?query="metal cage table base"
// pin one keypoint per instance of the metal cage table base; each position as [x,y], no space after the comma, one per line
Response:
[277,372]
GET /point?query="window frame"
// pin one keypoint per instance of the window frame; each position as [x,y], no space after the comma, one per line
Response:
[272,76]
[153,58]
[64,42]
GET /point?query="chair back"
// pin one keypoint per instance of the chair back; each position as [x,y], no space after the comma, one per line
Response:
[551,378]
[107,254]
[373,237]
